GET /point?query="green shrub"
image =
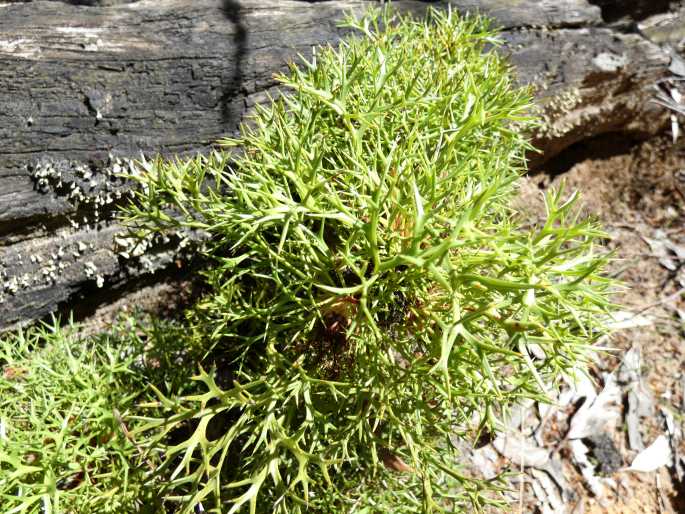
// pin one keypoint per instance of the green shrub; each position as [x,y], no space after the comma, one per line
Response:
[369,289]
[66,415]
[64,446]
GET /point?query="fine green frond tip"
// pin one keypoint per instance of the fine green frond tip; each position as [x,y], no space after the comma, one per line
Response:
[368,285]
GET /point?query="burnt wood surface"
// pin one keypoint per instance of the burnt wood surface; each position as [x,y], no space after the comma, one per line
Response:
[87,86]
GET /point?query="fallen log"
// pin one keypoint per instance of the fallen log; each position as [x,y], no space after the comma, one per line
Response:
[87,86]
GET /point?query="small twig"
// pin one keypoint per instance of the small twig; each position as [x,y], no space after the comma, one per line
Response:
[658,303]
[670,79]
[624,226]
[679,192]
[660,500]
[522,475]
[129,436]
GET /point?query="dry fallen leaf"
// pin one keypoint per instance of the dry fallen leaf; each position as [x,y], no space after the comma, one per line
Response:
[579,455]
[595,415]
[393,462]
[620,320]
[521,450]
[553,498]
[670,254]
[653,457]
[640,400]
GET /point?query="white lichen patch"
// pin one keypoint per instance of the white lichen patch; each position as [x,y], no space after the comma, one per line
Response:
[147,264]
[49,271]
[90,269]
[129,247]
[85,186]
[12,285]
[610,62]
[555,122]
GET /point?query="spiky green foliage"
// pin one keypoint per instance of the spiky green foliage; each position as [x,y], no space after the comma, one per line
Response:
[63,440]
[368,283]
[66,404]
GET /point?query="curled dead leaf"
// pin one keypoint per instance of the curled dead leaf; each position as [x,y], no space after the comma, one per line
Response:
[393,462]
